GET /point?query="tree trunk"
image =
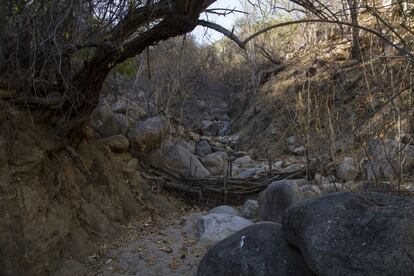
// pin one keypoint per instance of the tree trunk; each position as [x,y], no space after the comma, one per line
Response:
[83,97]
[353,7]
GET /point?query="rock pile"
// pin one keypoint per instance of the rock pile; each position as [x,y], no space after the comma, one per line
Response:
[125,125]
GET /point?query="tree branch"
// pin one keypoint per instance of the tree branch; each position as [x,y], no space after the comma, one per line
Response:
[222,30]
[224,12]
[148,13]
[139,16]
[81,100]
[242,43]
[402,50]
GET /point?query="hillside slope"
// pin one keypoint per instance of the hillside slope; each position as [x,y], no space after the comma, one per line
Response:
[59,200]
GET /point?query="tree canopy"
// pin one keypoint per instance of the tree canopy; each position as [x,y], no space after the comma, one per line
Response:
[56,54]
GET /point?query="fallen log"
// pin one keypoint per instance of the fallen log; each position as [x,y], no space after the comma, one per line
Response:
[234,186]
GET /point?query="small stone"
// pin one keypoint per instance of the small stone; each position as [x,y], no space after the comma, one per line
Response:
[179,161]
[250,209]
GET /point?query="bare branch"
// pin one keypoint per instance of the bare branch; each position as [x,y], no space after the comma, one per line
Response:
[242,43]
[224,12]
[402,50]
[222,30]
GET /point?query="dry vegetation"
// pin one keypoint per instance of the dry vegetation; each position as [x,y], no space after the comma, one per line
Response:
[323,94]
[335,75]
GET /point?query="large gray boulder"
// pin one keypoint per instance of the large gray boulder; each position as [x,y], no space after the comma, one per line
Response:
[277,197]
[259,249]
[347,170]
[384,159]
[215,227]
[149,133]
[354,234]
[178,160]
[214,163]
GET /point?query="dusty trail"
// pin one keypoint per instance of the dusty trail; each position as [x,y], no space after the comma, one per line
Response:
[171,248]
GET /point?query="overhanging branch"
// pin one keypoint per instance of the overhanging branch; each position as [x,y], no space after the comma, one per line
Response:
[148,13]
[242,43]
[223,31]
[402,50]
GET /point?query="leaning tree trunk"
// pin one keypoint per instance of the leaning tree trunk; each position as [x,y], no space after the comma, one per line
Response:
[83,96]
